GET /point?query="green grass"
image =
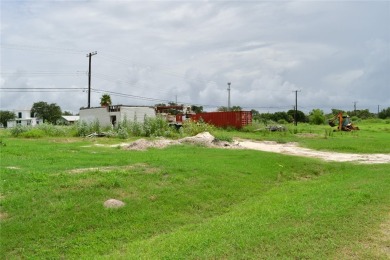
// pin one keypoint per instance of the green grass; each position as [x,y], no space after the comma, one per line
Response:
[192,202]
[184,202]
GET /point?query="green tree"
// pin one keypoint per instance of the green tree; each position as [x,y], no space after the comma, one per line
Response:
[222,109]
[49,113]
[317,117]
[105,100]
[385,113]
[264,117]
[197,109]
[225,109]
[336,111]
[255,114]
[67,113]
[277,116]
[6,116]
[362,114]
[301,117]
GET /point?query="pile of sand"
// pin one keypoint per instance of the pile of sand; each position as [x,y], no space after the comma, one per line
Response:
[143,144]
[205,139]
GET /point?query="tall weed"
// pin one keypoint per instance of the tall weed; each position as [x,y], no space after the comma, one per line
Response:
[192,128]
[18,130]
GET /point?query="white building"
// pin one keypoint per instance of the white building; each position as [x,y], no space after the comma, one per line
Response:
[68,120]
[23,118]
[111,115]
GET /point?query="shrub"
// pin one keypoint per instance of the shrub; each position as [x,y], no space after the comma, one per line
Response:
[193,128]
[221,137]
[317,117]
[122,133]
[52,130]
[95,126]
[33,133]
[18,129]
[82,128]
[255,126]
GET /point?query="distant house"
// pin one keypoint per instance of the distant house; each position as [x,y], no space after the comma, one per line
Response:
[111,115]
[68,120]
[23,118]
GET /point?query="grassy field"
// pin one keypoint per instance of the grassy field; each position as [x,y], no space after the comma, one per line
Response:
[193,202]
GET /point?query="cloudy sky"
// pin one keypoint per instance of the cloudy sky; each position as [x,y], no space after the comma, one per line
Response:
[335,53]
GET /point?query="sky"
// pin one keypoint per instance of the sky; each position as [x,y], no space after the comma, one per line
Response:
[327,54]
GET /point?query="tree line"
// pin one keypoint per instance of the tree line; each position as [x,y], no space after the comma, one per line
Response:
[316,116]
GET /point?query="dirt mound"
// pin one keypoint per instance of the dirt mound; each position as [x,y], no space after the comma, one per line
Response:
[204,138]
[143,144]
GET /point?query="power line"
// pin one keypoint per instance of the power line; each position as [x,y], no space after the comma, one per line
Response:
[38,48]
[41,90]
[43,73]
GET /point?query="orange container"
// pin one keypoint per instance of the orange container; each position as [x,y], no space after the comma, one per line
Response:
[236,119]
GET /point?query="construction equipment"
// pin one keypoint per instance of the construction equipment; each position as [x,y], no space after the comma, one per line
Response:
[174,114]
[344,122]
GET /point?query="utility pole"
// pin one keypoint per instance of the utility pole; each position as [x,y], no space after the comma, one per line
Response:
[89,55]
[296,107]
[378,110]
[354,107]
[229,95]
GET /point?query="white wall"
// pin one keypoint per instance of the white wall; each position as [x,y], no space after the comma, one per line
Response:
[89,115]
[138,113]
[102,114]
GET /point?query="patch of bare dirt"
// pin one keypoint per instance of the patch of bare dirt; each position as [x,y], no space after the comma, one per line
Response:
[287,148]
[146,168]
[3,216]
[294,149]
[13,167]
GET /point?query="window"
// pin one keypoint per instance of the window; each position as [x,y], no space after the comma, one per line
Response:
[113,120]
[20,115]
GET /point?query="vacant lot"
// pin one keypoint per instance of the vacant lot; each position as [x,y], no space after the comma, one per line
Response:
[188,201]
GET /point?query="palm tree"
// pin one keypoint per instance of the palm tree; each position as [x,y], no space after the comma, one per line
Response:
[105,100]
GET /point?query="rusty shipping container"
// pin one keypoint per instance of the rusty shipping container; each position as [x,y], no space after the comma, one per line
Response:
[236,119]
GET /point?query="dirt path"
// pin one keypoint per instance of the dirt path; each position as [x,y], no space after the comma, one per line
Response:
[294,149]
[288,148]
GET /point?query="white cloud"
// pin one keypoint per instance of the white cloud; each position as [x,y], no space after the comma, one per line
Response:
[192,49]
[346,78]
